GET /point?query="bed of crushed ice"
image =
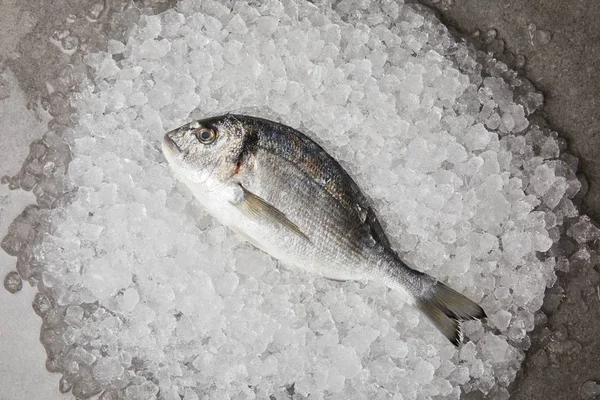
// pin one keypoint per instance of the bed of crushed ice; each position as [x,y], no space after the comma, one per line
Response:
[142,294]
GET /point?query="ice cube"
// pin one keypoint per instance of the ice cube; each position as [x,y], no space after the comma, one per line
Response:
[13,282]
[423,372]
[501,319]
[584,230]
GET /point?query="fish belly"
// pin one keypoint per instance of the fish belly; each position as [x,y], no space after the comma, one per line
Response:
[273,240]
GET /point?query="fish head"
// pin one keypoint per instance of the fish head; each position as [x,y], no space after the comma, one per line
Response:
[206,149]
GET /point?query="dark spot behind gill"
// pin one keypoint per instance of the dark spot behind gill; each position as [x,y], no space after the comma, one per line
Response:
[293,147]
[249,141]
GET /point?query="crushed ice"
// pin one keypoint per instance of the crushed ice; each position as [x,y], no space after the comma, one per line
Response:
[142,293]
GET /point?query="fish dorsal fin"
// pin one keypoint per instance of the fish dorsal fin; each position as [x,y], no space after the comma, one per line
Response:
[256,207]
[376,229]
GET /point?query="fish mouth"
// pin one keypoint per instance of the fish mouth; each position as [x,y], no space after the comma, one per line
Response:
[170,145]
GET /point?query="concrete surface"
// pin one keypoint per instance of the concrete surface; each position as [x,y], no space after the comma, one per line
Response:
[565,349]
[23,372]
[565,352]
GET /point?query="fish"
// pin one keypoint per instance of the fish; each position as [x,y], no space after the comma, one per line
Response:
[282,192]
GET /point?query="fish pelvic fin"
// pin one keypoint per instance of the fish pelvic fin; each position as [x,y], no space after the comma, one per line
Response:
[445,308]
[258,208]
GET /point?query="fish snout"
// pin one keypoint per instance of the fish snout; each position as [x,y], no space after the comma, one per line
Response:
[170,141]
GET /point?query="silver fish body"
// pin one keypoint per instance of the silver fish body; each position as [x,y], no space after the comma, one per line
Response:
[283,193]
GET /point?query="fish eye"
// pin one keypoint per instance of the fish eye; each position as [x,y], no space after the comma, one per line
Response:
[206,135]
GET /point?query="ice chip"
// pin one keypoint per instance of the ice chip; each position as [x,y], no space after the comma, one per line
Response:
[492,212]
[227,284]
[103,280]
[267,25]
[107,369]
[237,25]
[131,298]
[19,233]
[152,28]
[456,153]
[584,230]
[507,122]
[13,282]
[589,390]
[542,180]
[81,355]
[74,315]
[41,304]
[232,52]
[477,137]
[115,47]
[501,319]
[423,372]
[146,390]
[468,352]
[494,348]
[494,121]
[516,245]
[252,263]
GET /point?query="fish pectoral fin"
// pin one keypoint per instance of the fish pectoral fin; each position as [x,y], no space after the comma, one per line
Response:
[256,207]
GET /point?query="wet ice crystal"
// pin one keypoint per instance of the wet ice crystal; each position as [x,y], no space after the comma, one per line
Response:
[13,282]
[144,293]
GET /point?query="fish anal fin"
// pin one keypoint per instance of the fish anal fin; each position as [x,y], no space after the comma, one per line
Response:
[256,207]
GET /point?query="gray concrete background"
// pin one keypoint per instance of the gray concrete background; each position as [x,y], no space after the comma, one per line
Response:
[565,352]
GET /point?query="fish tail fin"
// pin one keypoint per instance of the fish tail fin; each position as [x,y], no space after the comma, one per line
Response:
[445,308]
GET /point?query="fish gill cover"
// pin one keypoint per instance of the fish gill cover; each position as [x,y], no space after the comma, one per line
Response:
[143,295]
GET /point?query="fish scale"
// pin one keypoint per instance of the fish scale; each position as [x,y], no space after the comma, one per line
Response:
[322,229]
[311,159]
[283,193]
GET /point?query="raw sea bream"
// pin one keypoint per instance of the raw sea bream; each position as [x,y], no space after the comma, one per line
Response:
[282,192]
